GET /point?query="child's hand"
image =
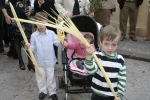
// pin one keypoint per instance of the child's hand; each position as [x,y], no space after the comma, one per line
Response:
[27,46]
[117,98]
[64,43]
[89,52]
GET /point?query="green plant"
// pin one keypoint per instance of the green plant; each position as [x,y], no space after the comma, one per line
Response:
[96,4]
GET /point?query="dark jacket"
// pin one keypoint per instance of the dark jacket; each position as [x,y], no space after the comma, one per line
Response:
[19,7]
[47,6]
[121,3]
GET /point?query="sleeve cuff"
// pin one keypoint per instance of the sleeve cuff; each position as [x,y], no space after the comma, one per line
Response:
[120,95]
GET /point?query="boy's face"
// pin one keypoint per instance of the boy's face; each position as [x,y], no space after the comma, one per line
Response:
[109,47]
[41,28]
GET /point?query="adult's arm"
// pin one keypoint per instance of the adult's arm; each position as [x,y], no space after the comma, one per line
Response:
[2,7]
[60,7]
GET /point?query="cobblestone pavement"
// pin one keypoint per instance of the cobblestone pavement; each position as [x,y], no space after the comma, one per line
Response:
[16,84]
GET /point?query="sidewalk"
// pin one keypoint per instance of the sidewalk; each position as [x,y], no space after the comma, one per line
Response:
[16,84]
[139,50]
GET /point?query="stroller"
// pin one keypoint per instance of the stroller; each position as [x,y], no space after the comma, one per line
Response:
[85,25]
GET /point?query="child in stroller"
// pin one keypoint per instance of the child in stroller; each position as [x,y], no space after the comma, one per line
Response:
[86,25]
[76,62]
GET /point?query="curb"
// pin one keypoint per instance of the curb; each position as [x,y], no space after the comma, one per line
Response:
[136,56]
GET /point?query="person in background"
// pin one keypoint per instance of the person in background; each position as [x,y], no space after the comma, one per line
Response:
[41,44]
[2,51]
[6,35]
[113,64]
[129,9]
[147,38]
[23,11]
[102,15]
[73,7]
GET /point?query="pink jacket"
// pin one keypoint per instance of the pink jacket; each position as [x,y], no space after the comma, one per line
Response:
[79,52]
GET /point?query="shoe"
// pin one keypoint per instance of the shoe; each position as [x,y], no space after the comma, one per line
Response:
[12,55]
[31,67]
[41,95]
[22,66]
[122,38]
[133,38]
[79,65]
[147,39]
[15,57]
[9,54]
[54,97]
[3,53]
[6,45]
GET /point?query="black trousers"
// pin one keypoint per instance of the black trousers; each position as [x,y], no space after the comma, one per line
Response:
[6,35]
[96,97]
[1,32]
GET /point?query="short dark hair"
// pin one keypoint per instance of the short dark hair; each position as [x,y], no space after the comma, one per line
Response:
[89,37]
[41,16]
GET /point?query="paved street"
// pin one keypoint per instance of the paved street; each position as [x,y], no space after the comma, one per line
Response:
[16,84]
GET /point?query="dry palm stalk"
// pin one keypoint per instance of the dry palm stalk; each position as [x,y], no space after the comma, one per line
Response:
[68,26]
[25,39]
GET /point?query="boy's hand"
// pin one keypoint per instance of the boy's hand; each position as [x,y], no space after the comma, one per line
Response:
[64,43]
[117,98]
[27,46]
[89,52]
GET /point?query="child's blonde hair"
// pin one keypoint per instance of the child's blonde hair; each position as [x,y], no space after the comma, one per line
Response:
[110,32]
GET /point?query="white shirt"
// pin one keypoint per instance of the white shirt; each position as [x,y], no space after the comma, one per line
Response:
[32,4]
[42,47]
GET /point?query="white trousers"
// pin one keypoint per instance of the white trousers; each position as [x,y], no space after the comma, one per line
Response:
[46,83]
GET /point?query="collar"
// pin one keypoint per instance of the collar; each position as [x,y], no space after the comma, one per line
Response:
[108,56]
[38,33]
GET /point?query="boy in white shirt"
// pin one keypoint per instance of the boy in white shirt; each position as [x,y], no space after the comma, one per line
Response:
[42,41]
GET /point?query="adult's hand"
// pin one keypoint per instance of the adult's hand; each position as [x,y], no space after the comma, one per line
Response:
[8,19]
[41,1]
[91,14]
[27,13]
[69,14]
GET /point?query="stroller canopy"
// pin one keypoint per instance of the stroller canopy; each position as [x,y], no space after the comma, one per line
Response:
[85,23]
